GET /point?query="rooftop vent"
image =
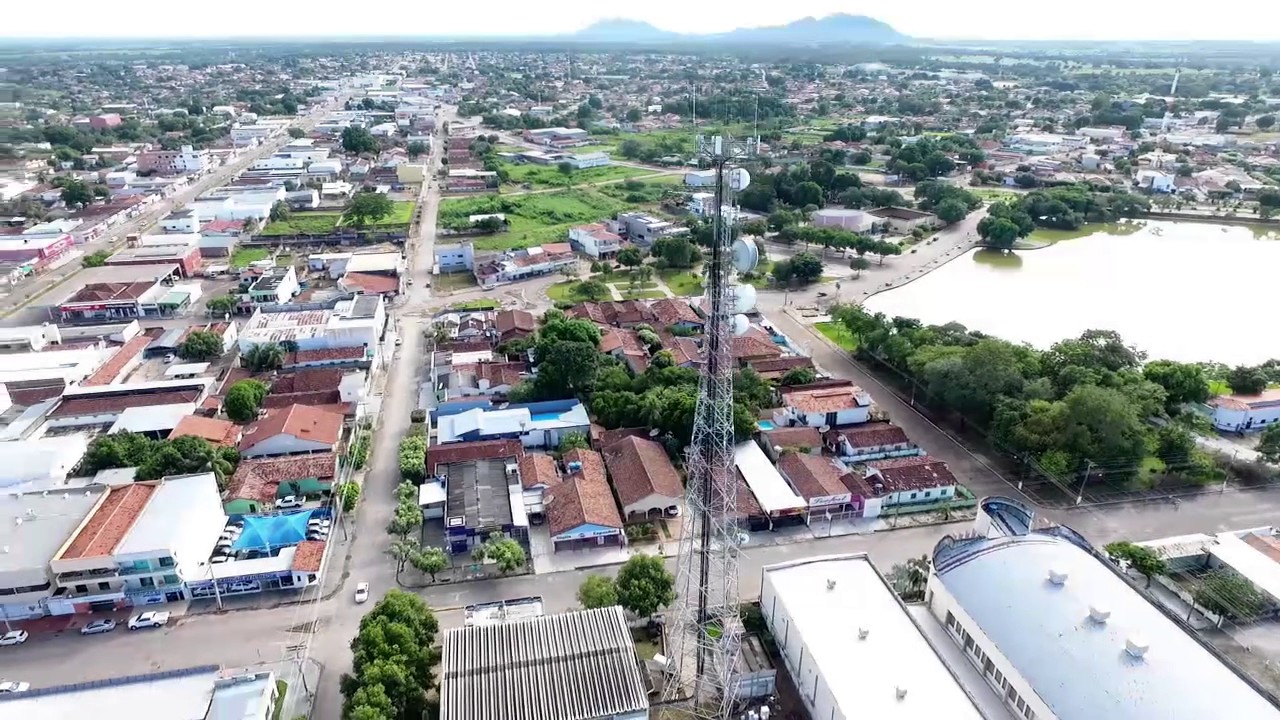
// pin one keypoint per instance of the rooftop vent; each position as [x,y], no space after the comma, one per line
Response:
[1099,615]
[863,633]
[831,584]
[1057,577]
[901,692]
[1136,648]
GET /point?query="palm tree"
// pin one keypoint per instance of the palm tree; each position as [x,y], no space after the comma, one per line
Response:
[264,356]
[910,579]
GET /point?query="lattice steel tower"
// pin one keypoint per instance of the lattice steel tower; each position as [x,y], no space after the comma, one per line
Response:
[703,631]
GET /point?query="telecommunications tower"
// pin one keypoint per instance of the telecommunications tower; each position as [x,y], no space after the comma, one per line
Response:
[703,631]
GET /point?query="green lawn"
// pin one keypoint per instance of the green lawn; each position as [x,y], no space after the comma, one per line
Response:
[549,176]
[310,223]
[454,281]
[685,283]
[284,260]
[532,219]
[477,304]
[628,294]
[838,334]
[282,687]
[1219,387]
[243,256]
[564,291]
[401,215]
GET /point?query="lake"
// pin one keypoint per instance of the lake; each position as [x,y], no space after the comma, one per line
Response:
[1178,290]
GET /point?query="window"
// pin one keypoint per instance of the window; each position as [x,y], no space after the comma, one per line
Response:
[1028,714]
[913,496]
[951,620]
[166,562]
[171,580]
[926,493]
[82,588]
[1022,705]
[104,586]
[147,582]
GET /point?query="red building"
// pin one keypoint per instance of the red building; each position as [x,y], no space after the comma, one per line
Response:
[105,121]
[186,257]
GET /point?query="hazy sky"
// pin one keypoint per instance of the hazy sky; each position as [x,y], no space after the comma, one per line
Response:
[985,19]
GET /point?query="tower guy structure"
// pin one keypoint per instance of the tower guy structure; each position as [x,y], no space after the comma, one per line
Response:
[703,631]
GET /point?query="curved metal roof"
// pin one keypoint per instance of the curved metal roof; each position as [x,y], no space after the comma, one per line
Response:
[1078,666]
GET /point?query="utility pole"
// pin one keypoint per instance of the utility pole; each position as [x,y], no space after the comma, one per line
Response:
[1088,468]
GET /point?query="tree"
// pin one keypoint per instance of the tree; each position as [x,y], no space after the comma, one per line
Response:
[806,267]
[158,458]
[1001,233]
[412,455]
[565,168]
[807,193]
[358,140]
[634,115]
[597,591]
[1269,444]
[630,256]
[200,345]
[1246,380]
[885,248]
[1182,382]
[1265,122]
[858,264]
[591,289]
[223,305]
[416,148]
[799,376]
[96,259]
[279,212]
[1140,558]
[910,578]
[430,560]
[297,133]
[349,495]
[507,553]
[75,194]
[369,208]
[573,441]
[951,211]
[392,658]
[244,399]
[263,357]
[1228,595]
[645,585]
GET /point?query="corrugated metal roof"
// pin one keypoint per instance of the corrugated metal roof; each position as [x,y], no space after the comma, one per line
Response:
[556,667]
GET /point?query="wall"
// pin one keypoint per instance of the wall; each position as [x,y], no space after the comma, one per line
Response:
[805,674]
[284,445]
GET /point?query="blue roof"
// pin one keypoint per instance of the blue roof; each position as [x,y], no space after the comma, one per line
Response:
[269,532]
[1079,667]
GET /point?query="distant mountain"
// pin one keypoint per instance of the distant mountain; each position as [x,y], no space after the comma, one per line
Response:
[839,28]
[625,31]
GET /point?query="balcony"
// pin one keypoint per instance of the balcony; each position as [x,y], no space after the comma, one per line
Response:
[87,576]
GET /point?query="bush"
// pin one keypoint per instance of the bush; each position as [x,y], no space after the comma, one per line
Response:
[418,416]
[349,494]
[360,450]
[413,458]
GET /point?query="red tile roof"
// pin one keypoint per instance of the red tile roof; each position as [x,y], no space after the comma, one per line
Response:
[670,311]
[438,455]
[109,292]
[300,421]
[584,498]
[822,400]
[28,396]
[538,470]
[115,403]
[780,366]
[371,283]
[640,468]
[511,322]
[876,434]
[309,380]
[260,478]
[307,556]
[793,437]
[218,432]
[106,374]
[324,355]
[752,347]
[109,522]
[813,476]
[498,373]
[911,473]
[602,438]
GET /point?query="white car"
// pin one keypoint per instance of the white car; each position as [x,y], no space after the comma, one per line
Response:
[14,637]
[152,619]
[290,501]
[362,592]
[10,686]
[98,626]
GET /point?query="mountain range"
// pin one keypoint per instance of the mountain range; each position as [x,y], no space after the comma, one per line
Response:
[838,28]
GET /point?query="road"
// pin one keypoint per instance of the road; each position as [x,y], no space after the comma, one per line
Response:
[14,306]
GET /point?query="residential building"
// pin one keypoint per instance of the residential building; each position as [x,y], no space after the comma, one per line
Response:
[645,481]
[595,240]
[293,430]
[538,474]
[167,163]
[702,204]
[259,483]
[827,406]
[853,647]
[277,285]
[514,324]
[484,379]
[139,545]
[535,425]
[1242,413]
[643,229]
[700,178]
[907,480]
[820,481]
[674,312]
[1004,598]
[902,221]
[625,313]
[1155,181]
[355,322]
[454,258]
[515,265]
[34,525]
[856,221]
[185,256]
[578,665]
[581,512]
[871,441]
[222,433]
[778,502]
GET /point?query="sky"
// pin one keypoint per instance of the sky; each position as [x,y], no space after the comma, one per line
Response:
[940,19]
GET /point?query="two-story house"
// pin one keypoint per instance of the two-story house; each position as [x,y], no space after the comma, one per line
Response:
[827,406]
[595,240]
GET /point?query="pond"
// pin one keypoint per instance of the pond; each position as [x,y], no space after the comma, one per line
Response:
[1184,291]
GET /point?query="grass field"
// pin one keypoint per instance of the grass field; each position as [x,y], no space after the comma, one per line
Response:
[477,304]
[838,334]
[401,215]
[311,223]
[533,219]
[684,283]
[628,294]
[566,291]
[454,281]
[243,256]
[549,176]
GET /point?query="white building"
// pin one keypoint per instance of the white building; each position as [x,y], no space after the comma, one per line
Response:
[595,240]
[1155,181]
[1114,132]
[1061,634]
[831,407]
[700,178]
[41,462]
[851,220]
[358,322]
[186,220]
[454,258]
[851,646]
[249,134]
[702,204]
[69,366]
[279,163]
[33,526]
[184,161]
[1239,413]
[582,161]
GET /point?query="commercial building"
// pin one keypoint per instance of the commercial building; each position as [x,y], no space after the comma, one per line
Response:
[113,294]
[356,322]
[185,256]
[536,425]
[1059,632]
[33,526]
[852,647]
[778,502]
[454,258]
[277,285]
[643,229]
[139,545]
[647,484]
[1242,413]
[530,262]
[292,430]
[581,511]
[852,220]
[63,367]
[103,405]
[579,665]
[185,220]
[902,221]
[41,462]
[184,161]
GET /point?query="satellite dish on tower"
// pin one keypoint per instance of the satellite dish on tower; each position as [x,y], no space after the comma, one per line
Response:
[744,298]
[745,255]
[740,324]
[739,179]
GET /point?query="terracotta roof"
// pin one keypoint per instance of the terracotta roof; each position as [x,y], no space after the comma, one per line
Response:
[537,470]
[875,434]
[218,432]
[746,505]
[71,407]
[259,478]
[109,292]
[912,473]
[109,522]
[307,556]
[508,321]
[498,373]
[584,498]
[300,421]
[750,346]
[371,283]
[602,438]
[793,437]
[640,468]
[812,476]
[314,398]
[28,396]
[1266,398]
[465,346]
[324,355]
[670,311]
[822,400]
[438,455]
[780,365]
[684,351]
[308,380]
[121,357]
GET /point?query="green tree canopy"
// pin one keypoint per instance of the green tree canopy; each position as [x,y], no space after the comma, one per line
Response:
[392,657]
[1140,558]
[645,585]
[358,140]
[200,345]
[597,591]
[244,399]
[369,208]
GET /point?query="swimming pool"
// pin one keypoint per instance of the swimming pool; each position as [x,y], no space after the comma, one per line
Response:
[765,424]
[545,417]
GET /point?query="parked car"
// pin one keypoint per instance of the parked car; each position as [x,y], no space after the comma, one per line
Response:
[290,501]
[14,637]
[150,619]
[219,559]
[12,686]
[168,359]
[98,626]
[362,592]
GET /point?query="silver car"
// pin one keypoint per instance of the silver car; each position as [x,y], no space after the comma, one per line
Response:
[98,626]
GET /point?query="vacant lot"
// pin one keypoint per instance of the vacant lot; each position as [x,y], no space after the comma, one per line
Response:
[548,176]
[532,219]
[243,256]
[311,223]
[401,215]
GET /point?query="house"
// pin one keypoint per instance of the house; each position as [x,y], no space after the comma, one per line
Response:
[516,265]
[700,178]
[276,286]
[535,425]
[647,484]
[293,430]
[484,379]
[754,346]
[1155,181]
[820,481]
[871,441]
[258,483]
[514,325]
[824,406]
[901,221]
[222,433]
[538,474]
[625,313]
[595,240]
[702,204]
[777,368]
[673,312]
[581,512]
[642,229]
[454,258]
[1241,413]
[907,480]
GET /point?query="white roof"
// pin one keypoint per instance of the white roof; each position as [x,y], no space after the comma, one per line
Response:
[47,520]
[374,262]
[865,675]
[431,493]
[1245,559]
[186,369]
[152,418]
[766,483]
[181,695]
[246,697]
[23,461]
[177,504]
[277,563]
